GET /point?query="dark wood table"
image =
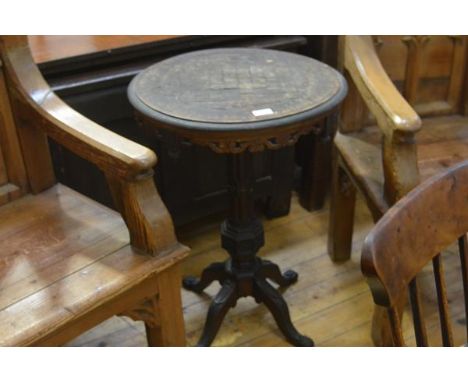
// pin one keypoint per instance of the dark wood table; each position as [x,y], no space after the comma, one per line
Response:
[239,101]
[92,73]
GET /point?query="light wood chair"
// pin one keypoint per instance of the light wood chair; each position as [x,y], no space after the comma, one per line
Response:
[411,234]
[405,119]
[68,263]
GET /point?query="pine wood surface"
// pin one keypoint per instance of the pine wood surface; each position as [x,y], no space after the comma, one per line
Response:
[324,289]
[50,48]
[41,267]
[441,143]
[331,302]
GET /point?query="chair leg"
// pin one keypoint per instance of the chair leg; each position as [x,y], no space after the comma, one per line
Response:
[342,202]
[162,312]
[170,330]
[381,331]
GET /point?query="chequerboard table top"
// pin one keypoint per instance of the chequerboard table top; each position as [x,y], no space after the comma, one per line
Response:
[236,88]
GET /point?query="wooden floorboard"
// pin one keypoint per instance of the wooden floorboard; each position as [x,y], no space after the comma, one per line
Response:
[330,303]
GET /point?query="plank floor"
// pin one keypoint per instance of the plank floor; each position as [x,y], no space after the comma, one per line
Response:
[331,303]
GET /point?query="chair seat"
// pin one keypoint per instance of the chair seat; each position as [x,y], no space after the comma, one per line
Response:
[442,142]
[63,255]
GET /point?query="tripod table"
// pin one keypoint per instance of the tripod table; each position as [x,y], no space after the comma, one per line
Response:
[239,101]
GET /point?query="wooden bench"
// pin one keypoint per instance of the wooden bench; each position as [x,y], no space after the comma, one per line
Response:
[66,262]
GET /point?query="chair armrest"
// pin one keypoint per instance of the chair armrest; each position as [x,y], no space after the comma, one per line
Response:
[127,166]
[391,110]
[110,152]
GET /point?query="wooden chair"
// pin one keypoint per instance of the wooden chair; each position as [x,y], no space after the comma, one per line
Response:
[413,233]
[66,262]
[385,153]
[405,83]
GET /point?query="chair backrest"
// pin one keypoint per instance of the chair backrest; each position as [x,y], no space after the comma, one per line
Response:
[25,162]
[413,233]
[428,70]
[431,72]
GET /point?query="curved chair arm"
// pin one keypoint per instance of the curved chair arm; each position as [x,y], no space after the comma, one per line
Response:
[395,117]
[126,165]
[388,106]
[110,152]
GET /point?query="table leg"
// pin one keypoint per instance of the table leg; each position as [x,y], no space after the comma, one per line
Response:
[271,271]
[264,292]
[245,273]
[224,299]
[213,272]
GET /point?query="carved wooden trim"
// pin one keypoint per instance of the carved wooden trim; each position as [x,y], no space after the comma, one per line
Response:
[418,40]
[414,66]
[457,72]
[378,42]
[147,311]
[231,142]
[415,46]
[281,140]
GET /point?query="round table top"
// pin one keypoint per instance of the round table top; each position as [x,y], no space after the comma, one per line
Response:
[236,89]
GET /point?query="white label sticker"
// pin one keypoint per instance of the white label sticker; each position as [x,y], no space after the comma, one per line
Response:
[261,112]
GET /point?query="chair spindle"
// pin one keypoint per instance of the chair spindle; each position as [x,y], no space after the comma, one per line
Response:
[395,324]
[418,316]
[462,246]
[447,338]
